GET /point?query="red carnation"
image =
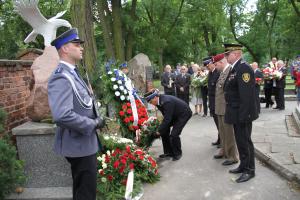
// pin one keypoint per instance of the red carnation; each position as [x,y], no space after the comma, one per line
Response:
[110,177]
[131,166]
[129,111]
[124,107]
[126,120]
[131,118]
[128,149]
[128,104]
[116,164]
[121,113]
[135,127]
[122,169]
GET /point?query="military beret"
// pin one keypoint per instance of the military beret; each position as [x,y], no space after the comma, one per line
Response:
[207,60]
[150,95]
[218,57]
[66,37]
[232,47]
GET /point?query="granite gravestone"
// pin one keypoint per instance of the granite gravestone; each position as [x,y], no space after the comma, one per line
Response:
[137,71]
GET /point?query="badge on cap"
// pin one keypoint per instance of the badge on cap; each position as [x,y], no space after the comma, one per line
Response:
[246,77]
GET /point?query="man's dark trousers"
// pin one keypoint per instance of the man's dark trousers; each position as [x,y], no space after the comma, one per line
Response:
[84,174]
[245,146]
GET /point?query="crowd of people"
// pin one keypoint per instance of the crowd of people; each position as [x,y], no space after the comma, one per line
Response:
[179,82]
[230,89]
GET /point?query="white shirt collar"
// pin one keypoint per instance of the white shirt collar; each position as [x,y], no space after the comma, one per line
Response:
[72,67]
[235,63]
[228,65]
[158,101]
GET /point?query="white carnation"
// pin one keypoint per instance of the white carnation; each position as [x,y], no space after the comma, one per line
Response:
[99,158]
[104,166]
[115,87]
[119,82]
[109,72]
[117,93]
[125,91]
[113,79]
[121,87]
[127,98]
[108,152]
[122,97]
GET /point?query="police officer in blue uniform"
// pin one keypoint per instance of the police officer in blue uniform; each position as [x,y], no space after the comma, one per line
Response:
[241,109]
[176,114]
[73,111]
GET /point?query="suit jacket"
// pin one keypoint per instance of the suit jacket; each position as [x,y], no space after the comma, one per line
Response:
[220,105]
[211,86]
[165,80]
[173,110]
[72,111]
[280,83]
[240,94]
[183,81]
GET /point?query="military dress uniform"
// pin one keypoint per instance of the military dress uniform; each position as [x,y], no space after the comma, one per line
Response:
[73,111]
[241,110]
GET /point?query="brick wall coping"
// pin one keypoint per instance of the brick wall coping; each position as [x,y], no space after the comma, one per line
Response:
[6,62]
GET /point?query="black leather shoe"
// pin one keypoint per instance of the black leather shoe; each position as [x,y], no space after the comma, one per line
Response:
[276,107]
[229,162]
[176,157]
[245,177]
[215,143]
[218,156]
[165,155]
[281,108]
[236,171]
[267,106]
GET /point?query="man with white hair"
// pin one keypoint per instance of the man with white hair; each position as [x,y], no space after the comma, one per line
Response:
[167,81]
[182,83]
[241,109]
[279,83]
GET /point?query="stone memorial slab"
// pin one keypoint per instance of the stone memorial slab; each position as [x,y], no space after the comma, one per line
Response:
[43,168]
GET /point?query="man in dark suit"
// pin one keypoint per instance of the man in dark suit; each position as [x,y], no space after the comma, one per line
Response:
[182,83]
[258,75]
[167,81]
[176,114]
[213,77]
[280,85]
[241,109]
[73,110]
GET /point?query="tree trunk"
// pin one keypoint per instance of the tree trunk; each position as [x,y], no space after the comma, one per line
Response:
[81,16]
[232,23]
[117,30]
[105,24]
[295,7]
[206,39]
[160,57]
[130,34]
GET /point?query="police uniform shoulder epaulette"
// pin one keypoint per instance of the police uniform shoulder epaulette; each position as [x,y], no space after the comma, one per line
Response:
[58,70]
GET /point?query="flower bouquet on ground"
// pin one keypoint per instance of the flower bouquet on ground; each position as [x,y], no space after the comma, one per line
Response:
[148,133]
[114,167]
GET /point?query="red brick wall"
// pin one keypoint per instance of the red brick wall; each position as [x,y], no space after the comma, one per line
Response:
[15,78]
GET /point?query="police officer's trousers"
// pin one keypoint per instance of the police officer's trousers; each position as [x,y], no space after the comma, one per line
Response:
[84,174]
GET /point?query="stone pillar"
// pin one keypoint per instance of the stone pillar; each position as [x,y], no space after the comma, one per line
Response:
[43,168]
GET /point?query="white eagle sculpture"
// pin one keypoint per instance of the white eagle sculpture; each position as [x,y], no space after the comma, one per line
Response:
[29,11]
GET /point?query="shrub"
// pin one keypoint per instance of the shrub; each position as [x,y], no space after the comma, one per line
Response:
[11,169]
